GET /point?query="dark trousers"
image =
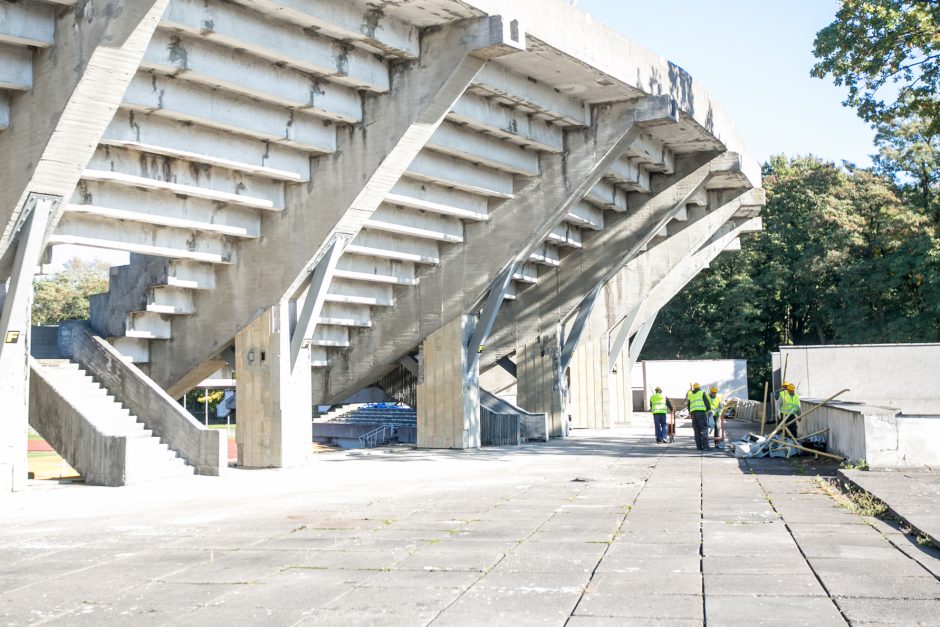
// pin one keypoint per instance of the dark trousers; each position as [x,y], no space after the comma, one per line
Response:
[700,429]
[790,430]
[660,424]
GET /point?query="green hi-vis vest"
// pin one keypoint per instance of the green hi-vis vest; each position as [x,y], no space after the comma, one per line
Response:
[658,404]
[696,400]
[789,403]
[716,402]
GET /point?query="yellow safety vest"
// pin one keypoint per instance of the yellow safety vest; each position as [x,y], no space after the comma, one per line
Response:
[789,403]
[658,404]
[696,400]
[716,403]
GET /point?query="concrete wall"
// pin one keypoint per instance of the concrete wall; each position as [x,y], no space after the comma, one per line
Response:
[674,376]
[902,376]
[881,436]
[99,458]
[204,449]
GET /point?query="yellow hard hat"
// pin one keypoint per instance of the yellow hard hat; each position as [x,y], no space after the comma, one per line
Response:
[714,390]
[696,386]
[659,389]
[791,387]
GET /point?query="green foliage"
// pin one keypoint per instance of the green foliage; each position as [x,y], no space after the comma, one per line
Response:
[861,464]
[196,403]
[841,259]
[884,48]
[64,295]
[909,154]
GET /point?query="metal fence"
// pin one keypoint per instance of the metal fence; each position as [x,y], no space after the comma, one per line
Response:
[747,411]
[500,429]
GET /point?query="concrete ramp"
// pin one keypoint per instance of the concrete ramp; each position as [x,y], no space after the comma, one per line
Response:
[94,432]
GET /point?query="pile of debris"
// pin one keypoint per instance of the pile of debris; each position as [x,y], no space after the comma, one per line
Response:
[781,442]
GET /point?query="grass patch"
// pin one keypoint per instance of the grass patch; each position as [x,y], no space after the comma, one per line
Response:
[855,500]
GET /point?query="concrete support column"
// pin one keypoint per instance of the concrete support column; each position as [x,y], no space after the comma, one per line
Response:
[14,392]
[449,391]
[274,400]
[540,384]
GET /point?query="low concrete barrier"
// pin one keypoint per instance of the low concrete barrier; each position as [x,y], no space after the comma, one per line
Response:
[204,449]
[882,436]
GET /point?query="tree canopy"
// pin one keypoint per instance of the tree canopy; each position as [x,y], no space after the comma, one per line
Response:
[887,53]
[64,295]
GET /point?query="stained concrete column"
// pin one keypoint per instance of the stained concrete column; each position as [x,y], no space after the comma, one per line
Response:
[448,391]
[275,403]
[540,384]
[14,392]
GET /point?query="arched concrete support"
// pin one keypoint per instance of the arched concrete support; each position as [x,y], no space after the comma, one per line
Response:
[539,312]
[600,372]
[493,248]
[345,189]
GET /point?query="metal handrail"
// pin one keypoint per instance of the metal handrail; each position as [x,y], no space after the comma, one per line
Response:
[371,439]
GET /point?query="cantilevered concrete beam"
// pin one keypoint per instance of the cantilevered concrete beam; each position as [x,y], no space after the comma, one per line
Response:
[519,227]
[540,309]
[345,189]
[55,127]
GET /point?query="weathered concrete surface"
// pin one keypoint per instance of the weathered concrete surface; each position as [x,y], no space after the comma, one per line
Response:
[274,404]
[466,273]
[913,496]
[882,436]
[101,458]
[888,375]
[603,528]
[205,449]
[540,309]
[55,126]
[359,174]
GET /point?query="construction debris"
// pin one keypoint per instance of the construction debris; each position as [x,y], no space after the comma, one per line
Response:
[779,443]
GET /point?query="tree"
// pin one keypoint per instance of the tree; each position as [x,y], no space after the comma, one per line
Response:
[884,48]
[909,154]
[64,295]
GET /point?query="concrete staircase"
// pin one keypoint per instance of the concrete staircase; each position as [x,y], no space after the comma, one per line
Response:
[88,421]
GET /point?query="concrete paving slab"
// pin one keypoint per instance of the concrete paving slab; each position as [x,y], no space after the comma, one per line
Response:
[646,582]
[876,586]
[802,584]
[912,496]
[813,611]
[834,566]
[489,606]
[515,542]
[891,611]
[621,604]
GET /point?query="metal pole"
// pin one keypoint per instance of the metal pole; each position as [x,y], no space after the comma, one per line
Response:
[205,398]
[763,413]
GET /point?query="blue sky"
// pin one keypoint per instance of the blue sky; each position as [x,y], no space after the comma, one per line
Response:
[755,57]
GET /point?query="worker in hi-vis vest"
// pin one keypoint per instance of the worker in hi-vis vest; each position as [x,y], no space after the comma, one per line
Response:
[660,407]
[789,403]
[698,408]
[713,400]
